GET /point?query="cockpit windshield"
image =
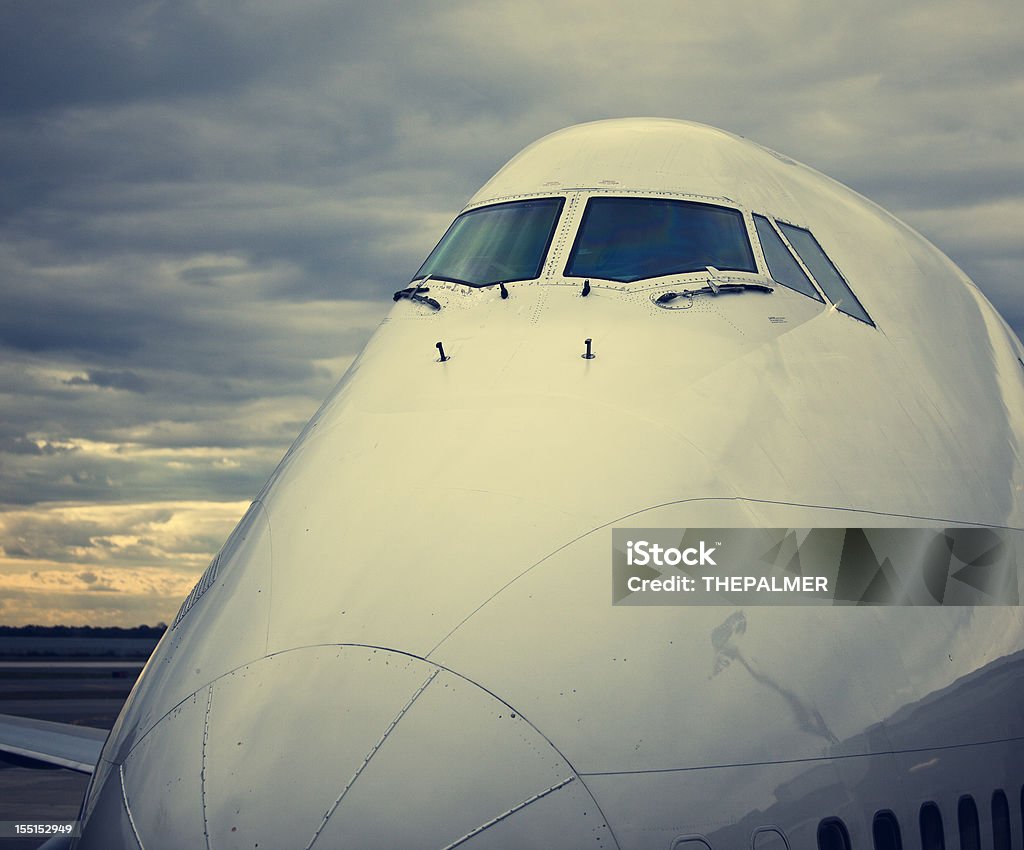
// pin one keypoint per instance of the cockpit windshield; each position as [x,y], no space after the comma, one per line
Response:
[495,244]
[628,239]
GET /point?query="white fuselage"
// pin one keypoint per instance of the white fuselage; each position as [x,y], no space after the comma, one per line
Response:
[410,641]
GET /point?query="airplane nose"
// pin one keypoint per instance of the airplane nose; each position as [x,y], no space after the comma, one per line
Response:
[344,746]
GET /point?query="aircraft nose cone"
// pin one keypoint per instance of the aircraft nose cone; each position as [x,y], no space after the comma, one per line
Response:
[346,746]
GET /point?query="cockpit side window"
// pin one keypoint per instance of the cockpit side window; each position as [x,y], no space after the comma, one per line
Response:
[781,264]
[629,239]
[824,272]
[495,244]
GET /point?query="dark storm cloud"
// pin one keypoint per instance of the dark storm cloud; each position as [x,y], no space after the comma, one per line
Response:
[132,310]
[158,534]
[65,53]
[125,351]
[88,478]
[19,444]
[38,537]
[125,380]
[27,324]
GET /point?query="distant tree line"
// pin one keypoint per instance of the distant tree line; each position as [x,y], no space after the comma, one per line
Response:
[153,632]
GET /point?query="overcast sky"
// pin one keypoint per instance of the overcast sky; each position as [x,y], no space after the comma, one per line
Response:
[206,205]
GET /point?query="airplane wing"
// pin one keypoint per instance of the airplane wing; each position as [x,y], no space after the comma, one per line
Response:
[74,747]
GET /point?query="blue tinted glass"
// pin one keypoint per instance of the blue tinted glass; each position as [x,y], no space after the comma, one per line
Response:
[931,828]
[627,239]
[832,835]
[826,274]
[886,832]
[967,820]
[500,243]
[1000,822]
[781,264]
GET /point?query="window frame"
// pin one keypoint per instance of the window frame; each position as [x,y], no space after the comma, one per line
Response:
[999,797]
[968,823]
[834,822]
[765,830]
[752,243]
[556,224]
[926,809]
[781,225]
[774,228]
[886,816]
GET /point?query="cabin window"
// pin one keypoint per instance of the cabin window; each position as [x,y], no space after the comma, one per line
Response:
[782,266]
[824,272]
[967,820]
[885,831]
[629,239]
[1000,822]
[832,835]
[1022,810]
[931,828]
[768,838]
[495,244]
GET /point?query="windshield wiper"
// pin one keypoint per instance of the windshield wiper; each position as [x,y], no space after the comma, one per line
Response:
[715,286]
[413,294]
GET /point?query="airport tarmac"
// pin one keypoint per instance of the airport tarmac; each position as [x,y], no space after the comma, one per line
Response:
[89,693]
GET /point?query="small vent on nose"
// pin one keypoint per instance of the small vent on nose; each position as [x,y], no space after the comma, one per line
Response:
[225,556]
[208,577]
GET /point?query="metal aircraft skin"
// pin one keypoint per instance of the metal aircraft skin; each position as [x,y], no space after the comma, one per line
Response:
[409,641]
